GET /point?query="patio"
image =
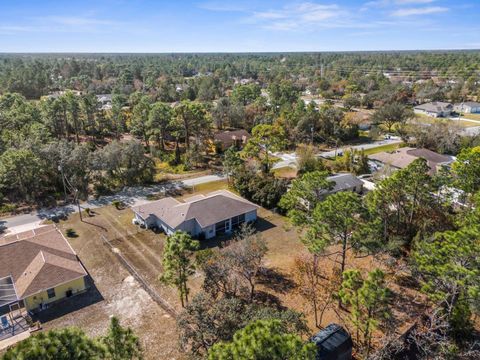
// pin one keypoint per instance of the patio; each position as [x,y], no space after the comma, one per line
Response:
[18,326]
[13,316]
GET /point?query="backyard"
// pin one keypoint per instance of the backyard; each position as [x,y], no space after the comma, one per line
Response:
[120,294]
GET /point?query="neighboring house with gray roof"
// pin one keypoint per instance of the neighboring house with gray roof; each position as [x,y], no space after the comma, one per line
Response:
[212,214]
[469,107]
[402,157]
[434,109]
[345,182]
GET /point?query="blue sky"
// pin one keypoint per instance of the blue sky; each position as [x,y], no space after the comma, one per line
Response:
[237,26]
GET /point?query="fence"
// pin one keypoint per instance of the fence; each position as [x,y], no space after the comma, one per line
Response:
[130,268]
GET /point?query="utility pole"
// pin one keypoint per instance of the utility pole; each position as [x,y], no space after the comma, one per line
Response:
[60,168]
[78,204]
[321,70]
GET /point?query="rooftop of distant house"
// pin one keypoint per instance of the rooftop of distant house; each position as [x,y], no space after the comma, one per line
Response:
[344,181]
[403,157]
[435,106]
[228,137]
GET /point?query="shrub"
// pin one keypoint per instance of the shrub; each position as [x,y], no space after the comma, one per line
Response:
[7,208]
[71,233]
[119,205]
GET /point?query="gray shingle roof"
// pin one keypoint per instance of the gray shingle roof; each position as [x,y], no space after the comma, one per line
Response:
[435,107]
[206,210]
[403,157]
[469,103]
[344,182]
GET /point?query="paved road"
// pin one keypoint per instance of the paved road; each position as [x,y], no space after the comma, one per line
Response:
[372,145]
[129,195]
[290,159]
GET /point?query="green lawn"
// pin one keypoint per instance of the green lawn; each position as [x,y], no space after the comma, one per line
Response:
[424,119]
[389,147]
[211,186]
[472,116]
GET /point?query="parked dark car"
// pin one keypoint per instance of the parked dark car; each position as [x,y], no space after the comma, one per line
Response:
[333,343]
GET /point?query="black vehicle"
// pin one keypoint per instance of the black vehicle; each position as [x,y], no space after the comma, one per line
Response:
[333,343]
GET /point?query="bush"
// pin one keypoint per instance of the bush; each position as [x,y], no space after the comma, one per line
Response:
[7,208]
[119,205]
[71,233]
[116,203]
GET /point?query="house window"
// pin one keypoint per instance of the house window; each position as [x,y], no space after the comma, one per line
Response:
[51,293]
[220,227]
[237,220]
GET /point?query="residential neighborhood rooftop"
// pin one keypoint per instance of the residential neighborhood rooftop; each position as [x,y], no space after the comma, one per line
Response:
[228,137]
[344,181]
[470,103]
[403,157]
[435,106]
[38,260]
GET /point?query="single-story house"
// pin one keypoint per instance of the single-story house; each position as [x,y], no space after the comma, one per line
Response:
[228,138]
[38,267]
[469,107]
[208,215]
[402,157]
[434,109]
[345,182]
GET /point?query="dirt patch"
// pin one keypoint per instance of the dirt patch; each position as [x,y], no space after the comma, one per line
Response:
[130,301]
[122,295]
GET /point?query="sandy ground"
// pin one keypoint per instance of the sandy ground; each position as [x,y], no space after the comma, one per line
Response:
[125,298]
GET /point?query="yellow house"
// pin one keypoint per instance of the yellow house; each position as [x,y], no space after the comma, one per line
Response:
[42,266]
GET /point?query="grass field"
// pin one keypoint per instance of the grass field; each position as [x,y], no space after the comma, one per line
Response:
[285,172]
[389,147]
[472,116]
[424,119]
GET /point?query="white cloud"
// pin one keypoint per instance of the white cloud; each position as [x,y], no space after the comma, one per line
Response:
[419,11]
[300,16]
[394,3]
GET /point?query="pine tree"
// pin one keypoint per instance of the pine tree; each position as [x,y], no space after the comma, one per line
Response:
[177,262]
[263,340]
[121,343]
[368,300]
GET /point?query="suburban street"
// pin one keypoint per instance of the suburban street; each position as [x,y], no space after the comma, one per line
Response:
[129,195]
[372,145]
[290,159]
